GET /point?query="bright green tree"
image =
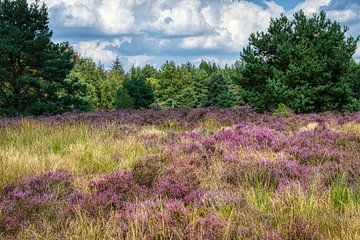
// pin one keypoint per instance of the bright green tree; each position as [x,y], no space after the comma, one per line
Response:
[111,84]
[77,94]
[301,62]
[93,75]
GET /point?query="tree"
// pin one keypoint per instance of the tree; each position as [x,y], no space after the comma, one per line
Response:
[123,99]
[208,67]
[218,92]
[118,66]
[169,82]
[139,89]
[111,84]
[173,82]
[32,67]
[93,75]
[301,62]
[76,94]
[186,98]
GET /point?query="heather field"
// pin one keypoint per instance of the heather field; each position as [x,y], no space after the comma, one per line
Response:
[180,174]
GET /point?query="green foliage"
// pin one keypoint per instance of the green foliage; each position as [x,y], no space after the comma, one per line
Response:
[281,111]
[93,75]
[190,87]
[77,94]
[32,67]
[138,88]
[218,92]
[123,99]
[169,82]
[187,98]
[111,85]
[304,61]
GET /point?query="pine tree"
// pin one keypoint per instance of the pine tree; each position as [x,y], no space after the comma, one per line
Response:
[32,67]
[218,92]
[123,99]
[139,88]
[302,62]
[111,84]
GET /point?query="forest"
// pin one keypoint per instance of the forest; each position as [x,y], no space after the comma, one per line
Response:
[302,64]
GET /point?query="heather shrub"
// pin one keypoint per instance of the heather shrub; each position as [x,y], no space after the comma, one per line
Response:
[146,170]
[321,145]
[210,226]
[257,232]
[154,219]
[228,198]
[34,200]
[244,135]
[247,180]
[300,229]
[93,204]
[107,194]
[265,173]
[179,181]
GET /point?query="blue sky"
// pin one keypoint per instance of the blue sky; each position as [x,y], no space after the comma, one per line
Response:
[152,31]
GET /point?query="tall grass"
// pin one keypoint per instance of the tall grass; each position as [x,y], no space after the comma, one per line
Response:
[279,178]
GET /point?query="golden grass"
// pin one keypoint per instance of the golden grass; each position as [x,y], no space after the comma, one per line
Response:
[350,127]
[34,148]
[86,151]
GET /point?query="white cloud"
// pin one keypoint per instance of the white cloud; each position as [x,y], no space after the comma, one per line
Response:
[233,23]
[107,16]
[117,16]
[174,28]
[100,51]
[344,15]
[311,6]
[212,59]
[177,18]
[139,60]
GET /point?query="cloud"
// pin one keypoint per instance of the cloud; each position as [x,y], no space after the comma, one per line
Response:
[139,60]
[234,23]
[149,31]
[219,61]
[117,16]
[100,51]
[311,6]
[177,18]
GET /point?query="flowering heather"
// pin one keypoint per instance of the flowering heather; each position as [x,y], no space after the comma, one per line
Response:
[180,174]
[106,194]
[266,173]
[32,199]
[302,230]
[322,145]
[179,181]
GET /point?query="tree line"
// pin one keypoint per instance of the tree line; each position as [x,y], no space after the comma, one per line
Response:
[304,63]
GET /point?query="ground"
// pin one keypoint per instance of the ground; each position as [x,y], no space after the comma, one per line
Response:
[180,174]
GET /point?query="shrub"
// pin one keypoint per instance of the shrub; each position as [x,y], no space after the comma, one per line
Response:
[35,199]
[107,194]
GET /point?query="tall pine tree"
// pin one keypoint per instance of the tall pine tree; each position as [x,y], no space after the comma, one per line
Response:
[32,67]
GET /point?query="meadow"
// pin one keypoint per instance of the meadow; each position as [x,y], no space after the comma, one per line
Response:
[180,174]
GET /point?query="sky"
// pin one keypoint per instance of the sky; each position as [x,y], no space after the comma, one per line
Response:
[143,32]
